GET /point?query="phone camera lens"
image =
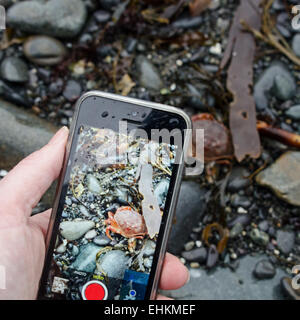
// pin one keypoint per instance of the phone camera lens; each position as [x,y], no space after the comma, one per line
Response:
[104,114]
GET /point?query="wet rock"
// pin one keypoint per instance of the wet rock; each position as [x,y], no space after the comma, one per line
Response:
[294,112]
[285,241]
[296,45]
[195,255]
[58,18]
[44,50]
[288,290]
[212,256]
[236,230]
[148,74]
[283,177]
[72,90]
[259,237]
[101,240]
[86,260]
[191,196]
[264,269]
[73,230]
[240,201]
[283,87]
[102,16]
[266,82]
[113,263]
[243,219]
[188,22]
[90,234]
[75,251]
[84,211]
[238,179]
[14,69]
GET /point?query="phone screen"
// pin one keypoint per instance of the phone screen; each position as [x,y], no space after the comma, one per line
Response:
[111,217]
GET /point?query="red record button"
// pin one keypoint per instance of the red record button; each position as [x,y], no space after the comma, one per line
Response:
[94,290]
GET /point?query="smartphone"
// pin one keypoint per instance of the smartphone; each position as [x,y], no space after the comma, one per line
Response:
[115,199]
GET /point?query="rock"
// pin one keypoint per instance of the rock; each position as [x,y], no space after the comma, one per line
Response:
[90,234]
[189,245]
[101,240]
[148,74]
[294,111]
[75,251]
[109,4]
[223,284]
[288,290]
[263,226]
[259,237]
[264,269]
[195,255]
[238,179]
[161,190]
[73,230]
[61,248]
[191,196]
[57,18]
[44,50]
[93,184]
[266,82]
[188,22]
[283,87]
[212,256]
[285,241]
[86,260]
[149,248]
[14,69]
[236,230]
[243,219]
[101,16]
[283,177]
[296,44]
[72,90]
[240,201]
[22,133]
[113,263]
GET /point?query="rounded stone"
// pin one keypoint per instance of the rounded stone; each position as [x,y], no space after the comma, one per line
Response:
[264,269]
[14,69]
[44,50]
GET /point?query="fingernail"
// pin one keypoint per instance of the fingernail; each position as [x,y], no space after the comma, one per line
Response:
[59,134]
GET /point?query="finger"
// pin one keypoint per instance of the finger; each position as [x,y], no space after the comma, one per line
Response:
[174,274]
[161,297]
[24,185]
[41,220]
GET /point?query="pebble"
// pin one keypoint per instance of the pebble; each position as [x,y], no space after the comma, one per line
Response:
[57,18]
[84,210]
[14,69]
[283,177]
[75,251]
[85,261]
[238,179]
[236,230]
[266,81]
[263,226]
[93,184]
[296,44]
[283,87]
[259,237]
[188,23]
[194,265]
[294,112]
[212,256]
[102,16]
[91,234]
[113,263]
[148,74]
[189,246]
[73,230]
[196,255]
[240,201]
[101,240]
[72,90]
[264,269]
[44,50]
[243,219]
[285,241]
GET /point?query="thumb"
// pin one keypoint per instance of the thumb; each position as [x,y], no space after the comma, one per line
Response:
[23,186]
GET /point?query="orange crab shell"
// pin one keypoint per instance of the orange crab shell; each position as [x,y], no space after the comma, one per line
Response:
[127,222]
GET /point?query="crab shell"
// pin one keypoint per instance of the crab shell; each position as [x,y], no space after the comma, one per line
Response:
[127,222]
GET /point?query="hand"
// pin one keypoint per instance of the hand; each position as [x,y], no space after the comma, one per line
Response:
[22,237]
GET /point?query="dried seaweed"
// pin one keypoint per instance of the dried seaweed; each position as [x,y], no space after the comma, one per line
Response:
[223,233]
[240,50]
[288,138]
[270,35]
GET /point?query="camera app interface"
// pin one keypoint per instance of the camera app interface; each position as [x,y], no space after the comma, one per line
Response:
[111,217]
